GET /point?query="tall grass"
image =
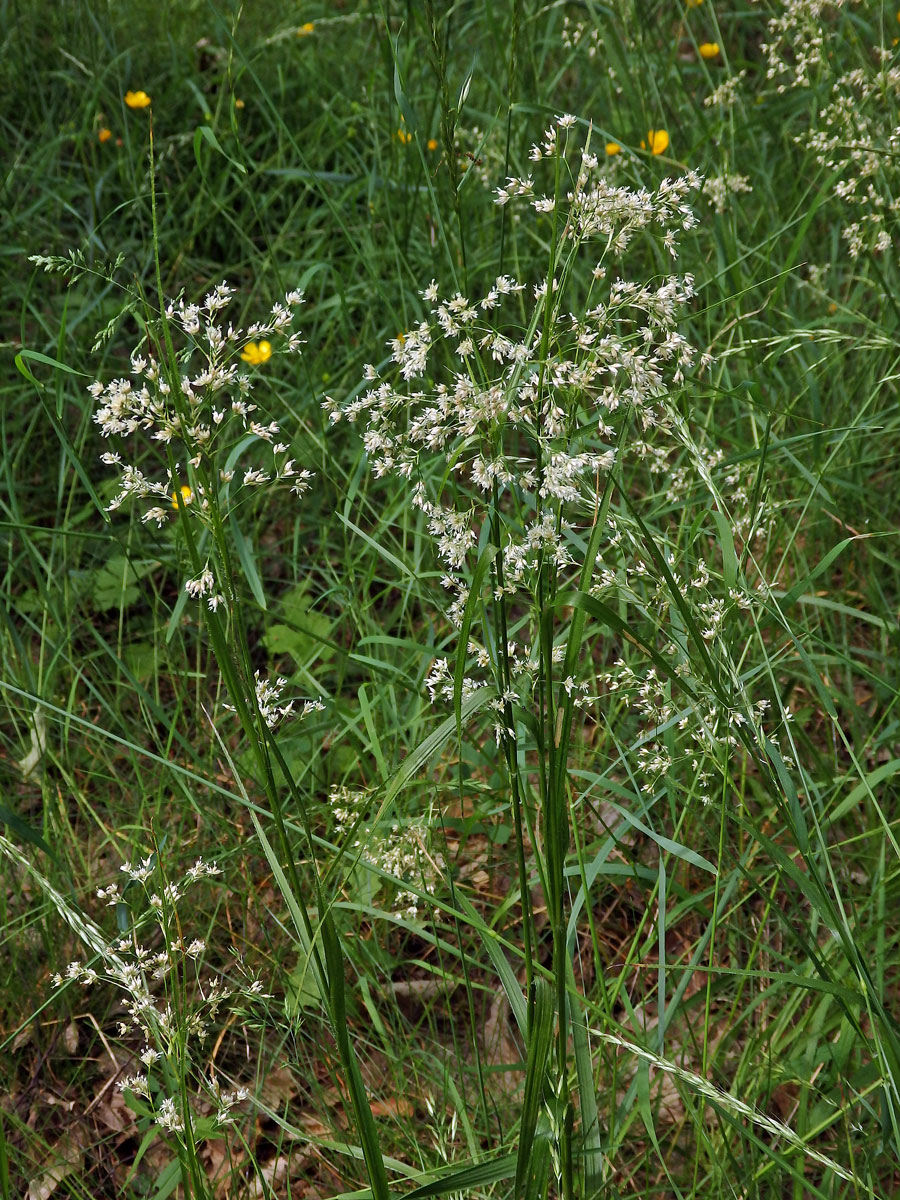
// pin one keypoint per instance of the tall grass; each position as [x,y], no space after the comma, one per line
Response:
[612,914]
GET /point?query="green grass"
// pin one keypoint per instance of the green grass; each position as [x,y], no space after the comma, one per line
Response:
[728,923]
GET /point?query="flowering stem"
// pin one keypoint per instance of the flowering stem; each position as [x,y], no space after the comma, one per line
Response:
[232,656]
[510,745]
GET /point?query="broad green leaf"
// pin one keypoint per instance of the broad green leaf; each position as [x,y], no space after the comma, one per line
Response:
[23,829]
[115,584]
[57,424]
[466,1177]
[865,789]
[726,543]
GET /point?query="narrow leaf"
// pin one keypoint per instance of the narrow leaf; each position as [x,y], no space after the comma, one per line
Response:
[540,1039]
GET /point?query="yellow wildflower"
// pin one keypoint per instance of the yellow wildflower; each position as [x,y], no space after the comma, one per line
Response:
[186,495]
[306,29]
[657,141]
[239,104]
[404,137]
[137,99]
[257,353]
[709,49]
[613,148]
[432,144]
[694,3]
[104,135]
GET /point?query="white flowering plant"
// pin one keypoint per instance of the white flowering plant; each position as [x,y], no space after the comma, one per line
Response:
[189,396]
[506,416]
[169,1005]
[170,1002]
[514,419]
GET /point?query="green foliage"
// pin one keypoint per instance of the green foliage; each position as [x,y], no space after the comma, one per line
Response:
[589,976]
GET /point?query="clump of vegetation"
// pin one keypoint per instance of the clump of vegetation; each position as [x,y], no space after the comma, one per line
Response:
[490,691]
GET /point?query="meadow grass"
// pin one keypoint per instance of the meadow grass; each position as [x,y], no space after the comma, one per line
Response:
[606,905]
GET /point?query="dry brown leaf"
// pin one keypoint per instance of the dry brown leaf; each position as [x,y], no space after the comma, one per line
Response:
[671,1106]
[275,1176]
[53,1101]
[66,1157]
[222,1163]
[158,1156]
[396,1106]
[501,1047]
[278,1087]
[115,1114]
[421,989]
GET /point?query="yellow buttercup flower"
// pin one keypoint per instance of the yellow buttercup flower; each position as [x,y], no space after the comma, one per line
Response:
[256,353]
[613,148]
[657,141]
[186,495]
[137,99]
[432,144]
[404,137]
[306,29]
[104,135]
[709,49]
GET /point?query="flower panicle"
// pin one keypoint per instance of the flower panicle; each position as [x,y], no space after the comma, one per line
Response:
[201,405]
[137,962]
[526,401]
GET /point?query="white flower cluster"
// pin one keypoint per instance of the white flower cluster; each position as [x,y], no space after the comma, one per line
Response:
[711,727]
[200,407]
[712,720]
[596,208]
[850,134]
[718,188]
[725,95]
[268,701]
[403,851]
[581,33]
[168,1031]
[797,35]
[851,140]
[527,415]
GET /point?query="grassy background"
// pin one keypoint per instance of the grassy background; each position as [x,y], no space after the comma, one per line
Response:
[279,161]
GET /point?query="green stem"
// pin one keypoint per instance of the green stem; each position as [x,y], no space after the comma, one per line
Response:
[234,661]
[510,744]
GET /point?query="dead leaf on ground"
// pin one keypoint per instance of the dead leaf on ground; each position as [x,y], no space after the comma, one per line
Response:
[421,989]
[115,1114]
[313,1126]
[274,1177]
[278,1088]
[65,1158]
[396,1106]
